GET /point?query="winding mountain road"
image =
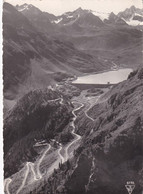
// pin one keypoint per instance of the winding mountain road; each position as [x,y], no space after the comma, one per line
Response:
[73,132]
[41,159]
[57,99]
[30,166]
[6,185]
[90,108]
[25,178]
[61,157]
[55,165]
[33,171]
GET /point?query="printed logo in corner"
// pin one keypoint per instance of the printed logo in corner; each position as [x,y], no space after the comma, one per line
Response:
[130,186]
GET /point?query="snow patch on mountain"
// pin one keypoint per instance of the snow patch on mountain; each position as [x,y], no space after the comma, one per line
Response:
[71,22]
[57,21]
[134,23]
[137,14]
[70,16]
[25,7]
[101,15]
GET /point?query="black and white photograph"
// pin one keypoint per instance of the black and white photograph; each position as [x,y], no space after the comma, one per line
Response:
[72,74]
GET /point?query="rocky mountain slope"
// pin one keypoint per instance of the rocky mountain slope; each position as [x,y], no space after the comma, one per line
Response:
[110,153]
[111,39]
[84,18]
[40,114]
[41,20]
[114,19]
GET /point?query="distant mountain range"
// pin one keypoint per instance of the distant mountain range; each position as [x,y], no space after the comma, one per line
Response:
[128,16]
[90,30]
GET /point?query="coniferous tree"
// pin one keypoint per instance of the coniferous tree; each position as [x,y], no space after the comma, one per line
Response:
[68,165]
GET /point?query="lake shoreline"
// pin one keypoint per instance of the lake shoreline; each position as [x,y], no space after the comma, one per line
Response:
[119,76]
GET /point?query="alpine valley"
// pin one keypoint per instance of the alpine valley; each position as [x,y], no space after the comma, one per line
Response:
[65,137]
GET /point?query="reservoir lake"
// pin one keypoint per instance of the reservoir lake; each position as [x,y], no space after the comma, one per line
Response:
[112,77]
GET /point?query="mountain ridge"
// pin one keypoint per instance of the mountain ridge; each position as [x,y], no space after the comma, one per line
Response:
[123,16]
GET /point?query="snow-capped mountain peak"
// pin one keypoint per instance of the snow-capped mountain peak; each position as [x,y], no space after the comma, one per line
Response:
[132,16]
[24,7]
[82,17]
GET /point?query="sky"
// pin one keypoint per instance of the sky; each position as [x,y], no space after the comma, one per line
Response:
[58,7]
